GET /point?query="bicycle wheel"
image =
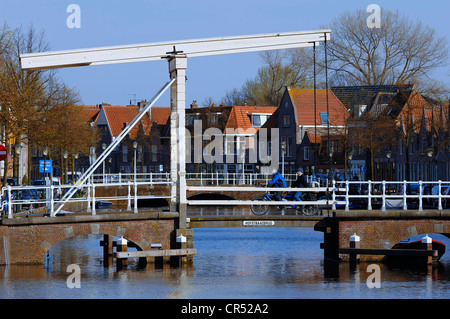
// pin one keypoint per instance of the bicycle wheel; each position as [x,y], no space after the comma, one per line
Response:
[259,209]
[310,210]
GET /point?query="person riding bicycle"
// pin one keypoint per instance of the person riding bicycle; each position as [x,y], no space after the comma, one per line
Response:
[277,181]
[300,182]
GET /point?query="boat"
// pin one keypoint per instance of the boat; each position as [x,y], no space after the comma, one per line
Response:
[415,244]
[101,204]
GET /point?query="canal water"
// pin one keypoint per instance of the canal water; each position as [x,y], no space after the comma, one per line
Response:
[232,263]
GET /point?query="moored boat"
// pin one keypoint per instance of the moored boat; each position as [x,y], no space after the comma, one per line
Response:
[416,244]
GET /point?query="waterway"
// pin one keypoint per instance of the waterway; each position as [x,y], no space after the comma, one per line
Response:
[235,263]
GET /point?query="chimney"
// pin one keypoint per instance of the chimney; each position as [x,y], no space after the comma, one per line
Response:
[141,104]
[194,104]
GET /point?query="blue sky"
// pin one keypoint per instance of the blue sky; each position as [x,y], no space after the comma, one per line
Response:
[105,23]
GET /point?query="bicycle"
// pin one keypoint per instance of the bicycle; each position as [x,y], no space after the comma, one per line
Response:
[307,210]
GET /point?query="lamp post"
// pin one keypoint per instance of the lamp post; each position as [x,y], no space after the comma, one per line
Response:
[135,145]
[243,161]
[283,149]
[75,157]
[430,171]
[18,149]
[103,148]
[350,157]
[330,173]
[47,190]
[45,153]
[65,155]
[110,161]
[388,155]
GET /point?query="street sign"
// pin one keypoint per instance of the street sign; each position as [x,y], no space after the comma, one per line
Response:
[3,152]
[48,166]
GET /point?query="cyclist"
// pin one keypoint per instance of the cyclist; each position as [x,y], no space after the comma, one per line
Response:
[277,181]
[300,182]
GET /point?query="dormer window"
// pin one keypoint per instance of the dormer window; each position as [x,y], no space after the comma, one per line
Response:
[259,119]
[324,117]
[256,120]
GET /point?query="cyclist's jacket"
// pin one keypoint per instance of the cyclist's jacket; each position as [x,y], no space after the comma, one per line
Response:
[278,180]
[300,182]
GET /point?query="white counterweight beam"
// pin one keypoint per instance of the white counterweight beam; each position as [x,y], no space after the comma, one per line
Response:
[158,50]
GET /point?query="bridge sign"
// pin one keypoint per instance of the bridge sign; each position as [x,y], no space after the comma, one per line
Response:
[48,166]
[3,152]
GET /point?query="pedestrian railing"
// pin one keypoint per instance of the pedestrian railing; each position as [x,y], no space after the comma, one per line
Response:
[383,195]
[24,199]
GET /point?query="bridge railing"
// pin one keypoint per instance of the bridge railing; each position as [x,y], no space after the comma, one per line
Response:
[17,200]
[368,195]
[198,179]
[348,194]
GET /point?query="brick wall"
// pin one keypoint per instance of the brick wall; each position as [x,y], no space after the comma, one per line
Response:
[28,243]
[385,233]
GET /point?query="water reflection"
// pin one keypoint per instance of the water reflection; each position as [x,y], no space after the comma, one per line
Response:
[260,262]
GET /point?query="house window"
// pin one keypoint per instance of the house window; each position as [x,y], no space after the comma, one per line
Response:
[324,117]
[286,121]
[256,120]
[139,155]
[287,142]
[306,153]
[154,153]
[124,153]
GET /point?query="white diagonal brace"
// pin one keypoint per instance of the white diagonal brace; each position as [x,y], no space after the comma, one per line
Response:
[111,147]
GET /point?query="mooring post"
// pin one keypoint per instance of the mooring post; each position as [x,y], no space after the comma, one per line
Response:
[107,250]
[354,243]
[122,245]
[427,243]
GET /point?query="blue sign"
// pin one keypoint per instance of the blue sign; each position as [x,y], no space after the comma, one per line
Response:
[48,166]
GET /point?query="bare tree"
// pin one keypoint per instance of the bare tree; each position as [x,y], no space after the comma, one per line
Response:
[398,52]
[293,68]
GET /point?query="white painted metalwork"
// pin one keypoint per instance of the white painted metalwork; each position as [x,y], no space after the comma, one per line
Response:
[12,206]
[177,53]
[156,51]
[110,148]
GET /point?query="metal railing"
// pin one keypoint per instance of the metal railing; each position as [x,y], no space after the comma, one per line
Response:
[16,198]
[341,193]
[383,194]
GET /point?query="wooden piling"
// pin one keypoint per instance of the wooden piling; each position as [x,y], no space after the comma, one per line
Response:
[427,244]
[354,243]
[122,246]
[107,250]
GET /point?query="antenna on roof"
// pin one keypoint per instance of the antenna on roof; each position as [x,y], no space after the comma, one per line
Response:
[134,100]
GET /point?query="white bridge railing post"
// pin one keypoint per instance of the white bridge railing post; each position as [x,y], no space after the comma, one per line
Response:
[347,205]
[383,197]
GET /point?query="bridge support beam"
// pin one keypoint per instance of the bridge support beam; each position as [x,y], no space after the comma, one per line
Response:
[178,203]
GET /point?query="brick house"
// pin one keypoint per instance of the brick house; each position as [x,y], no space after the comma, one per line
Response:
[238,126]
[303,130]
[150,150]
[424,120]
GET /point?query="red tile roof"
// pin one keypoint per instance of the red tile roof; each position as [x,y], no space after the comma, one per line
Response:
[89,113]
[240,116]
[117,116]
[160,114]
[303,100]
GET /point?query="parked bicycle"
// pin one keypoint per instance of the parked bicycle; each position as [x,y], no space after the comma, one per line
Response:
[307,210]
